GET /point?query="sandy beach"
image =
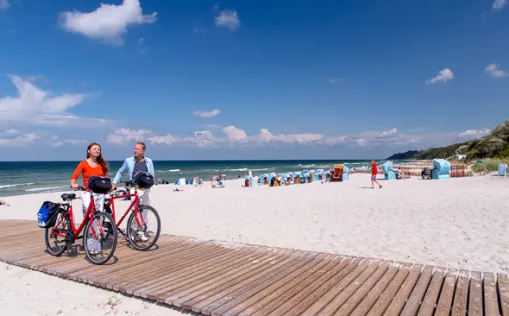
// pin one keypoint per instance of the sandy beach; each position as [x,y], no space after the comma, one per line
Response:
[460,223]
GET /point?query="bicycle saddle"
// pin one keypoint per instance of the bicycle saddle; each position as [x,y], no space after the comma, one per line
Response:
[68,196]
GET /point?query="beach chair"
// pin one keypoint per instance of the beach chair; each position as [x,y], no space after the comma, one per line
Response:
[388,172]
[502,169]
[441,169]
[338,173]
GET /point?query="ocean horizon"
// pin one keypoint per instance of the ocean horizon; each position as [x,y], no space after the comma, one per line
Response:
[29,177]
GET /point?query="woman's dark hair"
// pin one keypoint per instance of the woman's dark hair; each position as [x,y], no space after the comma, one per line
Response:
[100,159]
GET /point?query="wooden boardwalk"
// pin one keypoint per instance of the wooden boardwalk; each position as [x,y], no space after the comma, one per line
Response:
[213,278]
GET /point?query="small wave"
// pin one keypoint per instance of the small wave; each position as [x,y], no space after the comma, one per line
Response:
[174,170]
[44,189]
[14,185]
[235,170]
[307,166]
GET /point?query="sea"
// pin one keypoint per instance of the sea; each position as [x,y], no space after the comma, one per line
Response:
[18,178]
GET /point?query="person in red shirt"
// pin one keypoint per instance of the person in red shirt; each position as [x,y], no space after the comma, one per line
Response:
[94,165]
[374,172]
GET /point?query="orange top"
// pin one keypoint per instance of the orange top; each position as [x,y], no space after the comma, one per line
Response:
[86,172]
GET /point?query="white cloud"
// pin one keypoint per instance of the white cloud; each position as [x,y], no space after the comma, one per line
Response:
[228,19]
[199,139]
[334,140]
[4,4]
[361,142]
[443,76]
[125,135]
[167,139]
[57,143]
[266,137]
[389,133]
[35,106]
[205,114]
[19,141]
[234,134]
[499,4]
[108,22]
[495,72]
[474,133]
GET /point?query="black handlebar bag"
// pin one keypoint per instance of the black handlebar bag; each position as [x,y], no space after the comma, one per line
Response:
[144,180]
[100,185]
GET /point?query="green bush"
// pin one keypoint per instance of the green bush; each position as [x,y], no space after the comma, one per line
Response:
[490,164]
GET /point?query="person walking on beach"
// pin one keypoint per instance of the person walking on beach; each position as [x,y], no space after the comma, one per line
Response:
[134,164]
[94,165]
[374,172]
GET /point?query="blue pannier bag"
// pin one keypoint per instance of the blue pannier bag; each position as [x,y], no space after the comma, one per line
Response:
[45,216]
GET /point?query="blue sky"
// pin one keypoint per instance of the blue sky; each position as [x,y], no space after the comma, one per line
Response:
[249,79]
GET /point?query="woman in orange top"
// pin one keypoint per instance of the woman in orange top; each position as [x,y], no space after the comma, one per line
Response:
[94,165]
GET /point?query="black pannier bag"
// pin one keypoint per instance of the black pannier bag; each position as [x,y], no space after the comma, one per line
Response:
[144,180]
[99,185]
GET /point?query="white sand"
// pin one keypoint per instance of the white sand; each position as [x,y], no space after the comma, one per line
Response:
[26,292]
[461,223]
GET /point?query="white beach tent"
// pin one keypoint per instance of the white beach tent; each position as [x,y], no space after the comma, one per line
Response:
[182,181]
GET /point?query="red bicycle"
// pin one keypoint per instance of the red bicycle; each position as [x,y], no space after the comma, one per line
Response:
[99,231]
[144,224]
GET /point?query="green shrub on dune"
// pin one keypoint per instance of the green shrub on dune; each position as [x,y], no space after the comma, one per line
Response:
[494,145]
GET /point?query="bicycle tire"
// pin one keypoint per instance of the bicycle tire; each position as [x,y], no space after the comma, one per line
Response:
[143,246]
[49,230]
[112,232]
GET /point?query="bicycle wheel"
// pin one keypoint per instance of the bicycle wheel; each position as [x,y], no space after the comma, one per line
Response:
[144,236]
[101,247]
[56,237]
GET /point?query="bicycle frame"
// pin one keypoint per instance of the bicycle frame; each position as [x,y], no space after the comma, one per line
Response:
[87,217]
[134,204]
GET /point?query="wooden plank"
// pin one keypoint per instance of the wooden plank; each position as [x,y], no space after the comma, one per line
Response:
[228,295]
[459,306]
[475,305]
[503,290]
[213,279]
[404,292]
[201,273]
[430,299]
[490,295]
[215,293]
[170,267]
[444,306]
[371,297]
[196,295]
[283,286]
[415,299]
[337,287]
[361,293]
[233,307]
[311,284]
[386,297]
[311,276]
[326,286]
[189,257]
[342,296]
